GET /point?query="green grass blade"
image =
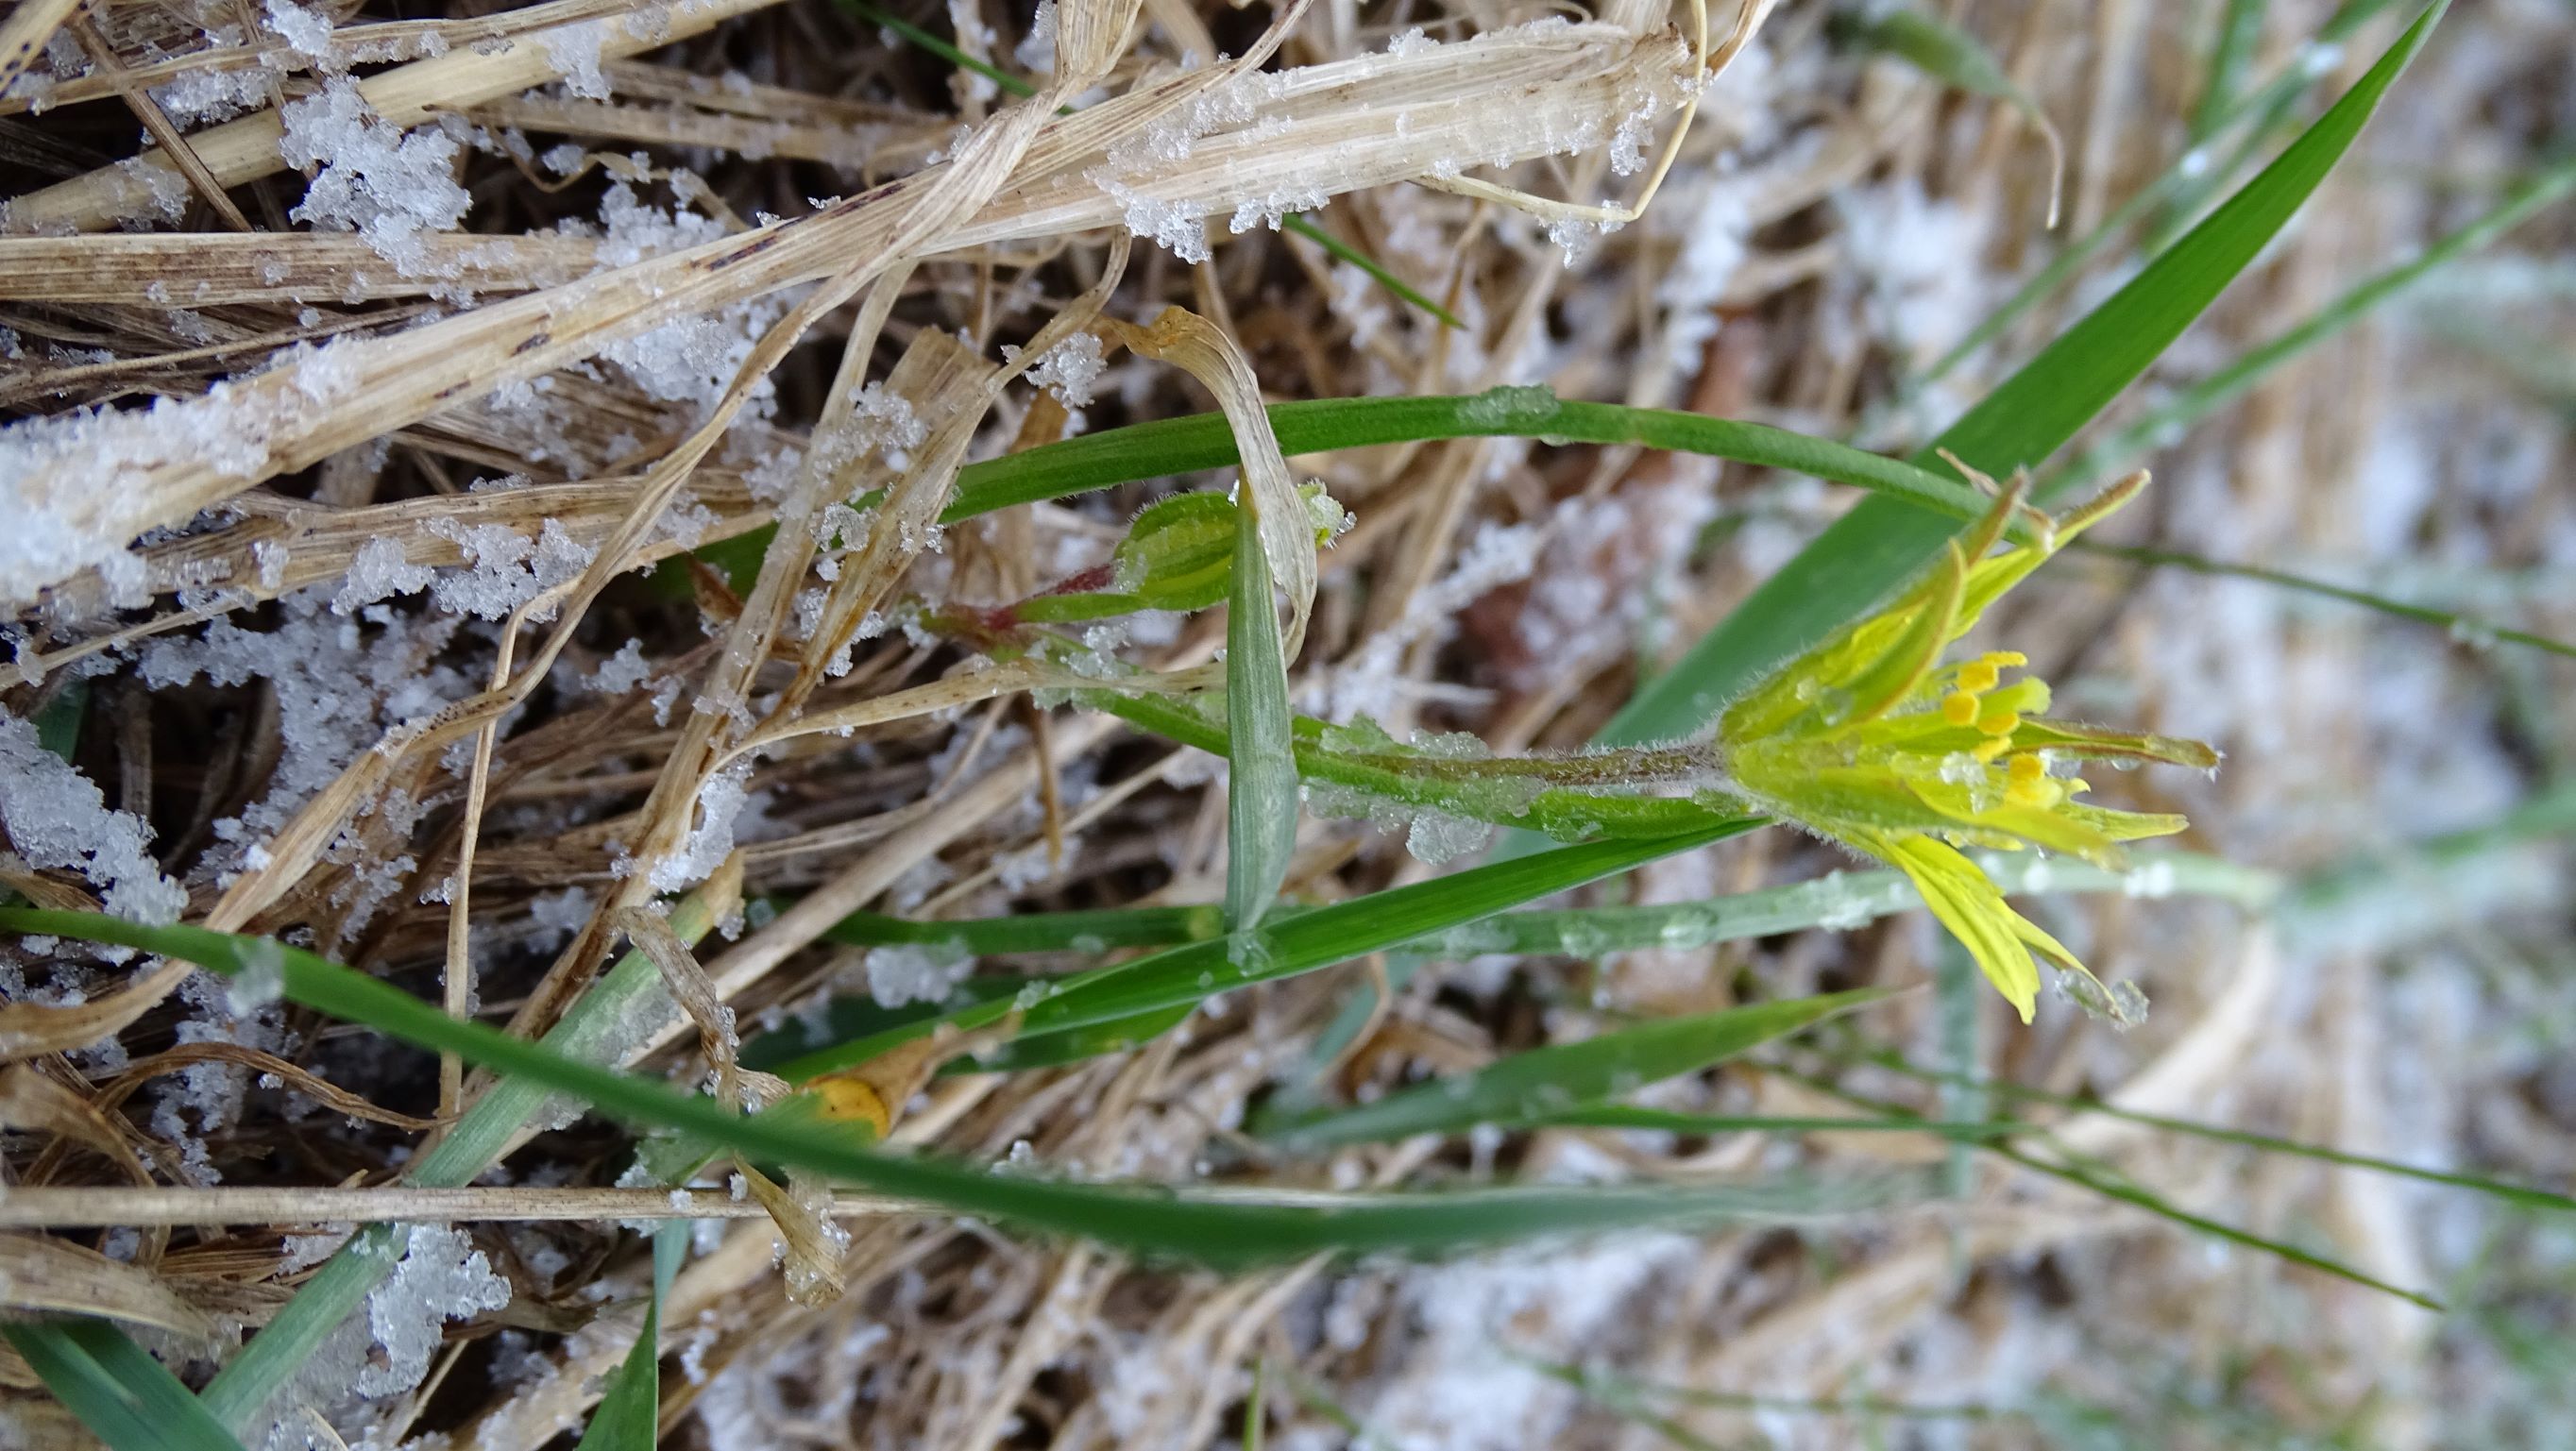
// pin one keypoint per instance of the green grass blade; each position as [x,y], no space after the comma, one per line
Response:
[1261,784]
[1524,1087]
[1342,251]
[2462,625]
[1203,441]
[1301,943]
[630,1408]
[1097,930]
[2533,194]
[1657,1120]
[2162,1208]
[125,1397]
[1879,544]
[2519,1195]
[1009,83]
[1838,899]
[1169,446]
[1214,1229]
[2101,1182]
[2231,55]
[58,725]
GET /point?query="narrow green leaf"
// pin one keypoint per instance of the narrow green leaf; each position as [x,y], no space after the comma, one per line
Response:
[1879,544]
[2103,1182]
[125,1397]
[2467,627]
[58,725]
[1203,441]
[1343,251]
[1286,946]
[2231,54]
[1091,931]
[1261,783]
[630,1407]
[2156,1204]
[2187,407]
[2519,1195]
[1620,1116]
[1842,899]
[1542,1082]
[1215,1229]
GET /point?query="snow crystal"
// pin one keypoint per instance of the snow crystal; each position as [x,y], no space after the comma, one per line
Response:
[720,801]
[1070,369]
[505,568]
[209,94]
[1020,870]
[337,687]
[574,50]
[441,1277]
[306,32]
[56,818]
[1036,51]
[913,972]
[379,570]
[560,914]
[376,179]
[1411,42]
[1715,247]
[1437,837]
[623,671]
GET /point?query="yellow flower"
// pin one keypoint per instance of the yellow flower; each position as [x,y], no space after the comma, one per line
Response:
[1871,740]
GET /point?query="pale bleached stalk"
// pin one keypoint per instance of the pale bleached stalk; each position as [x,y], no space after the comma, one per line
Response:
[350,45]
[221,269]
[24,34]
[1316,131]
[246,149]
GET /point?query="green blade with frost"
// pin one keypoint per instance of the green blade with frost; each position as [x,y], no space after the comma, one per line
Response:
[1261,787]
[1525,1087]
[1289,945]
[1213,1228]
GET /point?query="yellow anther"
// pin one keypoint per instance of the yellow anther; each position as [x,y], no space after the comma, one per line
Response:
[2040,792]
[1991,747]
[2023,770]
[1959,708]
[1999,722]
[1979,675]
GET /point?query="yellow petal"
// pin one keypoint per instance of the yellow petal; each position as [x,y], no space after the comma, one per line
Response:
[1974,912]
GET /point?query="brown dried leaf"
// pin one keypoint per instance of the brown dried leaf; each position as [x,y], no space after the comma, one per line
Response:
[37,1273]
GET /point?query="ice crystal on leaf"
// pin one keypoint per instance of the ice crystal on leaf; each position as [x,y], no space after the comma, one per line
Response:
[1869,739]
